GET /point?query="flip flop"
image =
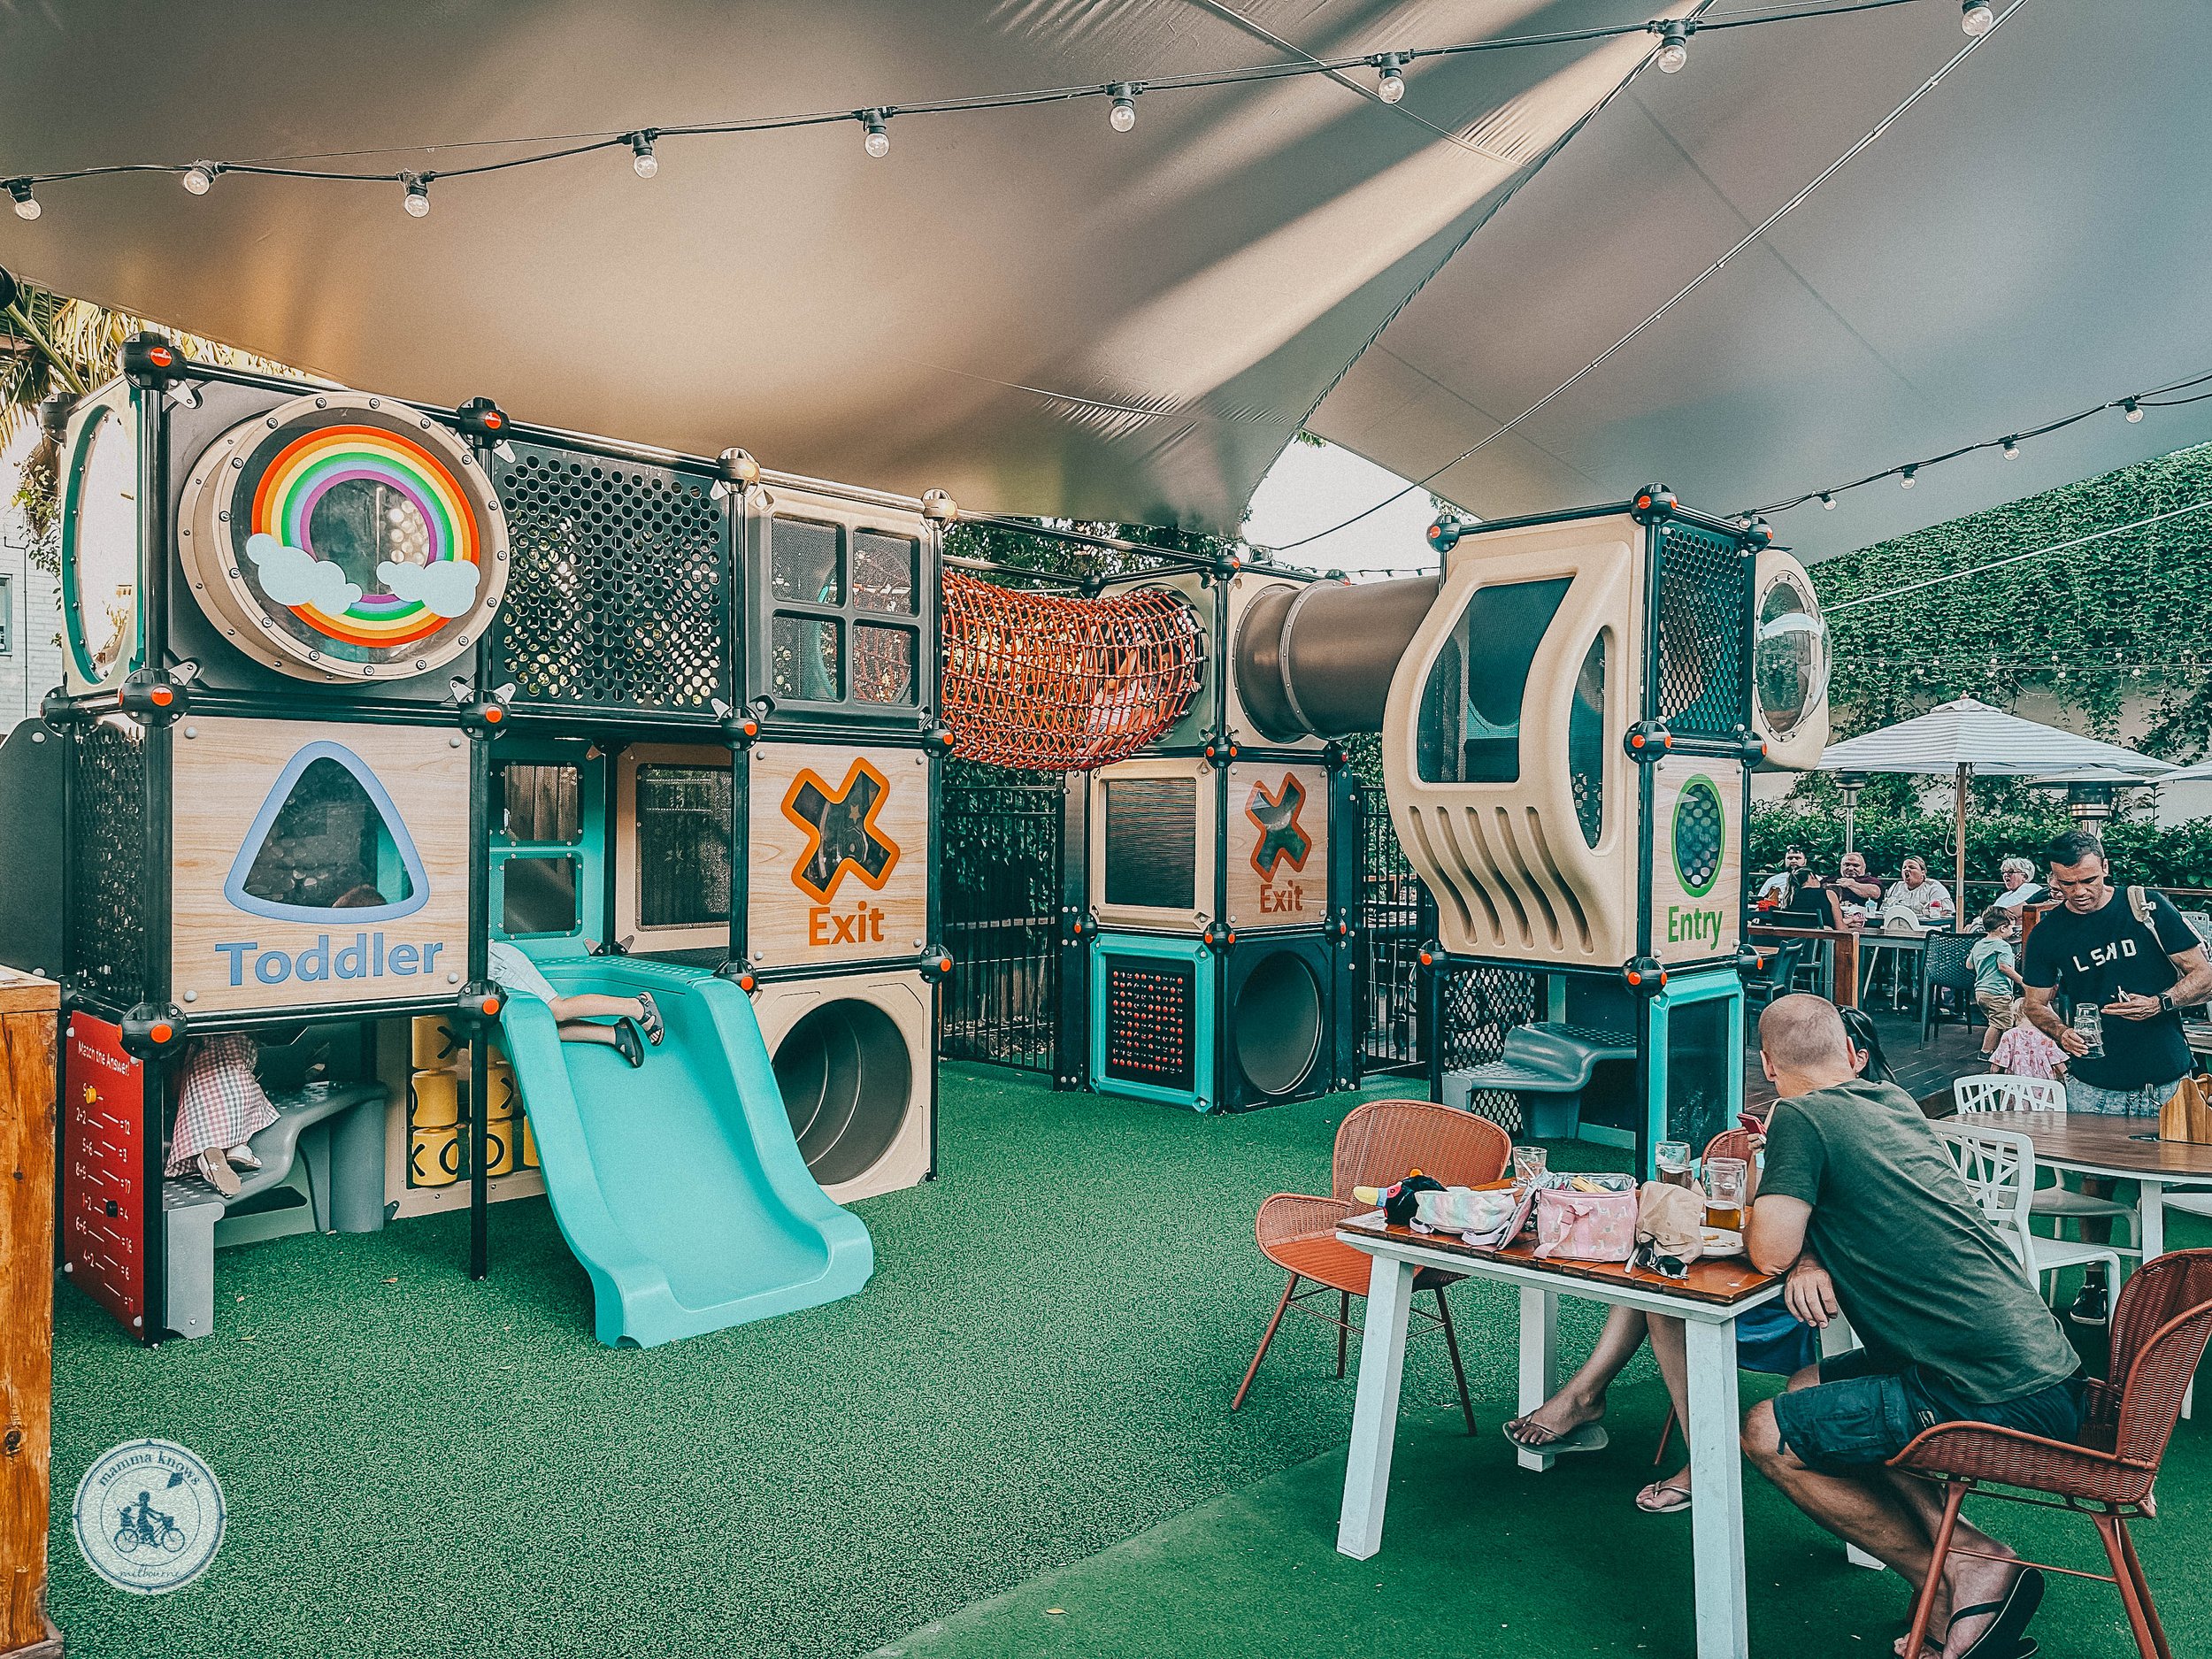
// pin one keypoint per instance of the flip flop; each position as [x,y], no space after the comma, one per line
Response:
[628,1042]
[652,1020]
[1659,1498]
[1587,1437]
[2001,1639]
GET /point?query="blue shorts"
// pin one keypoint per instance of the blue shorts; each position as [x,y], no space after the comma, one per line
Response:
[1772,1339]
[2118,1103]
[1859,1415]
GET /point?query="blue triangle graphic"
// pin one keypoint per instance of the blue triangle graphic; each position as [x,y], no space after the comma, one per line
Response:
[264,820]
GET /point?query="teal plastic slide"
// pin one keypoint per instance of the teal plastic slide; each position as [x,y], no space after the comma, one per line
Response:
[677,1184]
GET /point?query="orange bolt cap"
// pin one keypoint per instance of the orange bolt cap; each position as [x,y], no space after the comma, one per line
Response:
[161,696]
[491,1005]
[161,1031]
[493,715]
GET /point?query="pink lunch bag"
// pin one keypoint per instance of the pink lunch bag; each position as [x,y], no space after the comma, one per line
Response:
[1585,1226]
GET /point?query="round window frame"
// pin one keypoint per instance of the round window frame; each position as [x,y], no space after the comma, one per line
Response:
[111,406]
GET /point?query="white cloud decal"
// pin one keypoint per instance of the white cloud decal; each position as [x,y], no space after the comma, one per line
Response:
[447,587]
[292,576]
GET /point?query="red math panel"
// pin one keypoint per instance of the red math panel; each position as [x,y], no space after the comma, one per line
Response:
[104,1199]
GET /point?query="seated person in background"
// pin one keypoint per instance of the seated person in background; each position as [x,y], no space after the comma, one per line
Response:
[2022,889]
[1917,894]
[1782,883]
[637,1021]
[1855,889]
[1808,902]
[1997,982]
[1862,1207]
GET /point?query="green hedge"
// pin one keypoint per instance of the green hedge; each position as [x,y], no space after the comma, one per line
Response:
[2141,851]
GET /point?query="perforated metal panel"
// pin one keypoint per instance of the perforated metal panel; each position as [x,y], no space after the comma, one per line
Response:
[107,891]
[1149,1019]
[618,595]
[1476,1006]
[1704,594]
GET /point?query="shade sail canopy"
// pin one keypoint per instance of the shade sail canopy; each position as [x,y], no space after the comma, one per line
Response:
[1970,733]
[1042,315]
[1022,306]
[2028,239]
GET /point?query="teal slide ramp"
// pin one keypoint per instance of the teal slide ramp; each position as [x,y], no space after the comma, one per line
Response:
[677,1184]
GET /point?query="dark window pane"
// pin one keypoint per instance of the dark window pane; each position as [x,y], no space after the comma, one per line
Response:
[883,663]
[1477,738]
[683,844]
[1586,744]
[883,572]
[539,801]
[805,564]
[1152,842]
[805,655]
[538,896]
[329,847]
[1698,1064]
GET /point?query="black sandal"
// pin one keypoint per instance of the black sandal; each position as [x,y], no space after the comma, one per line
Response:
[2003,1636]
[628,1042]
[652,1019]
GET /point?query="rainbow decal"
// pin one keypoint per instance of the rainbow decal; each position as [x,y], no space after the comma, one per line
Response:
[317,592]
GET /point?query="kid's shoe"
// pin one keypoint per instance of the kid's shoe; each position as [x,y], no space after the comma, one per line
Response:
[243,1157]
[629,1042]
[216,1169]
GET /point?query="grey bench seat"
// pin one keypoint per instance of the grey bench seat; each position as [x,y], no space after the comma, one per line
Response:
[327,1145]
[1548,1065]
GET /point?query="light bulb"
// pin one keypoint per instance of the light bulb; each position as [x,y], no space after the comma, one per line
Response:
[1975,17]
[199,178]
[2012,449]
[25,204]
[2133,409]
[877,142]
[1392,86]
[1827,501]
[1123,116]
[1905,482]
[644,162]
[417,198]
[1674,48]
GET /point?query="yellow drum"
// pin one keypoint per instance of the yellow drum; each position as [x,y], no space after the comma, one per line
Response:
[529,1145]
[438,1047]
[433,1156]
[499,1147]
[499,1088]
[435,1100]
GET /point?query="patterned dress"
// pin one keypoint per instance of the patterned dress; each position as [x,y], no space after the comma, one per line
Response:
[222,1102]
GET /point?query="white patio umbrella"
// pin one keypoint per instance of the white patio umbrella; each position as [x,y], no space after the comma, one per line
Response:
[1960,739]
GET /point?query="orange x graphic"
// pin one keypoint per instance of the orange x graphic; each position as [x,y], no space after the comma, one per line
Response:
[840,830]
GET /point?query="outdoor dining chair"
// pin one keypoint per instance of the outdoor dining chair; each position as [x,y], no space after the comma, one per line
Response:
[1944,968]
[1998,1167]
[2160,1322]
[1377,1144]
[1994,1091]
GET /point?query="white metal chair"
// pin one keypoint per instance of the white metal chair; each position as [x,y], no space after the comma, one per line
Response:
[1998,1167]
[1994,1091]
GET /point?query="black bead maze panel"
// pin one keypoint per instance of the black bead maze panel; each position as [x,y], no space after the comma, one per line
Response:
[1149,1021]
[1476,1005]
[617,597]
[1704,584]
[107,896]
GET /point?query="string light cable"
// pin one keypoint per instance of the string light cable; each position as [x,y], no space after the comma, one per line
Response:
[1842,605]
[199,175]
[1975,39]
[2130,409]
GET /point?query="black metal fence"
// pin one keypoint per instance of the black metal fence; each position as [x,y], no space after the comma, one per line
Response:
[1000,858]
[1394,914]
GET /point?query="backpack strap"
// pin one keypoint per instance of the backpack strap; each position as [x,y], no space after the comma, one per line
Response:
[2139,901]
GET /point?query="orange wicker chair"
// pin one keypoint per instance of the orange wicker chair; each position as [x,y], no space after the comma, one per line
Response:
[2160,1322]
[1376,1144]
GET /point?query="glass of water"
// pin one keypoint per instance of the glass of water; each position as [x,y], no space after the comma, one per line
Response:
[2089,1023]
[1673,1157]
[1528,1163]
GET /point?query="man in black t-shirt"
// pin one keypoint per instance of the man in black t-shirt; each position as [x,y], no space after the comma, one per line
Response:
[2094,952]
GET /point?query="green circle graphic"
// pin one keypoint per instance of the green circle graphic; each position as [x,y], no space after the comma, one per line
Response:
[1701,835]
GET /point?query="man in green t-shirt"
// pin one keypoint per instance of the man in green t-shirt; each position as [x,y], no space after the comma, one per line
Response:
[1860,1205]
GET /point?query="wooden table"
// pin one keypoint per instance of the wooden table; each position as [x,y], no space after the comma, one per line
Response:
[1843,955]
[1709,1301]
[2089,1144]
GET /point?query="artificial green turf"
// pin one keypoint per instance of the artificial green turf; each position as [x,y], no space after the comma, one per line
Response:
[415,1463]
[1040,1370]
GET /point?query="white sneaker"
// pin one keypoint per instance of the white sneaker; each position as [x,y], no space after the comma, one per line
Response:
[243,1156]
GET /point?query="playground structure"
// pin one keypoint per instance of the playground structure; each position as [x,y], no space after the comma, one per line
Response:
[356,686]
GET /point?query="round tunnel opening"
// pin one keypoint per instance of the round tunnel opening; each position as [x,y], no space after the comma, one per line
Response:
[846,1083]
[1276,1023]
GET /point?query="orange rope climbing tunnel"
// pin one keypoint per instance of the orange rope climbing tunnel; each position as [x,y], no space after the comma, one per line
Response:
[1051,684]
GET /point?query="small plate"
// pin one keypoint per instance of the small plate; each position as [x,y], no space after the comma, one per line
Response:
[1720,1241]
